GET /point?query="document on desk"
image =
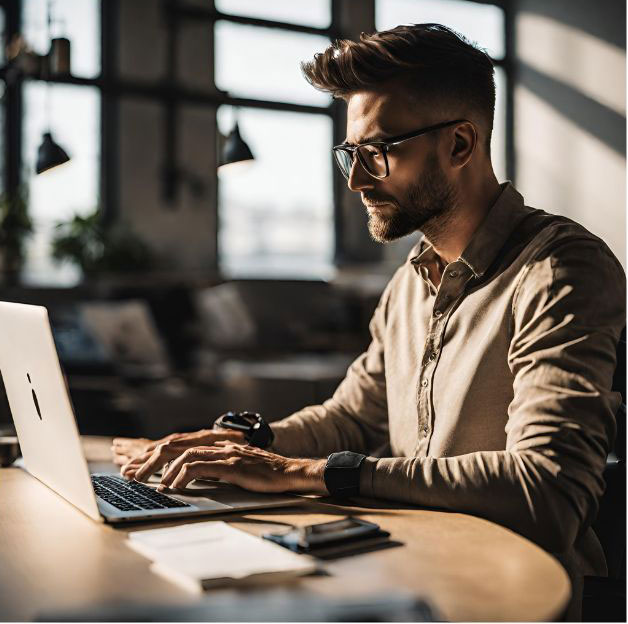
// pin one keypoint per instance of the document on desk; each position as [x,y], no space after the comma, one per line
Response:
[213,554]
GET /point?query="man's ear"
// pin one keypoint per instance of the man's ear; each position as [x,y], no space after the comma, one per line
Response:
[465,141]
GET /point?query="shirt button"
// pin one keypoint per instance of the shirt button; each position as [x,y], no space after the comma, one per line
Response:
[438,314]
[424,383]
[453,273]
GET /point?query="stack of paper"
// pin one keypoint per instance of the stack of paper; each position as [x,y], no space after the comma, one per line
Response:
[211,554]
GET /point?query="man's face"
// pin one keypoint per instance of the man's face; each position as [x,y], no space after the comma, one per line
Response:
[417,191]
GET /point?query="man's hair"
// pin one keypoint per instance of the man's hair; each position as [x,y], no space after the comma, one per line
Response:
[438,65]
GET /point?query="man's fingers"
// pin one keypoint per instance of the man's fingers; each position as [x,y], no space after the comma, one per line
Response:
[175,467]
[198,453]
[198,470]
[162,454]
[228,443]
[129,442]
[129,469]
[122,441]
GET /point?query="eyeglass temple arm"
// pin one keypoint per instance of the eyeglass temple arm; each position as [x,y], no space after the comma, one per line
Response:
[402,137]
[416,133]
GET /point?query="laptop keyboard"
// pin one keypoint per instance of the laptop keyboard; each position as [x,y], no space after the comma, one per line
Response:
[131,495]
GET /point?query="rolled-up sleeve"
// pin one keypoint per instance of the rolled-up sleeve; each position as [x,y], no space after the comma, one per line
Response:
[567,315]
[355,418]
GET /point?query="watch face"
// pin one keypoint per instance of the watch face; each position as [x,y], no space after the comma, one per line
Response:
[256,431]
[241,419]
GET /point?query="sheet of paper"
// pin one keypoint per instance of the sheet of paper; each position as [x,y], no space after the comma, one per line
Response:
[213,549]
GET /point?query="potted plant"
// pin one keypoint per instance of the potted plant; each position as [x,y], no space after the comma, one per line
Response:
[15,226]
[96,249]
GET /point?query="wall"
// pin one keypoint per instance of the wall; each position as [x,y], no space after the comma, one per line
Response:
[570,112]
[181,232]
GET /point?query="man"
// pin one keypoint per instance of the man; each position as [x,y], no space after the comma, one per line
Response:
[493,346]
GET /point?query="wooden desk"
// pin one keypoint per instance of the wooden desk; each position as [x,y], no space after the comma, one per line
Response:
[54,557]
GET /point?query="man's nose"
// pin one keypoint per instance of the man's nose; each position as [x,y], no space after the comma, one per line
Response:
[359,179]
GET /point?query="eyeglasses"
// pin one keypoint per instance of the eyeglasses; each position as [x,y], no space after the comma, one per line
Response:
[373,156]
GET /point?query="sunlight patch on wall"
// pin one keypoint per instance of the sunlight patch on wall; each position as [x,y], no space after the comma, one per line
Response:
[563,169]
[592,66]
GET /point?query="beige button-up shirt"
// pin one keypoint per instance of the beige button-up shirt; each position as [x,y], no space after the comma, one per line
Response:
[494,389]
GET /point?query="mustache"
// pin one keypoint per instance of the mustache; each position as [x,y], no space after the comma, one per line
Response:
[374,199]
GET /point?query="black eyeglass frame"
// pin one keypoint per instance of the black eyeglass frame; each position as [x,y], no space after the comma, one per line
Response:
[385,146]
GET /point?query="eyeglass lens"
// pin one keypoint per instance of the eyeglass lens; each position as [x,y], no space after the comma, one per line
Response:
[344,160]
[371,157]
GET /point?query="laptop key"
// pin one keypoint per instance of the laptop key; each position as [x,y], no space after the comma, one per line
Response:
[130,495]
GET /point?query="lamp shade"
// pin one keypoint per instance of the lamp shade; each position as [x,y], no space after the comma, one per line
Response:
[235,149]
[50,154]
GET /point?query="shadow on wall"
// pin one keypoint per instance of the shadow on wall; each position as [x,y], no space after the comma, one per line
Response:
[570,112]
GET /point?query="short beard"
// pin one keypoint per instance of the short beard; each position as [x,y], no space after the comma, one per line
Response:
[431,202]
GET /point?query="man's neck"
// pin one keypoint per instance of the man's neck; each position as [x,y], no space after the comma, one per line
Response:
[454,238]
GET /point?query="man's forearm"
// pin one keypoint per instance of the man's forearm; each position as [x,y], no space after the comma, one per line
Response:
[516,490]
[307,476]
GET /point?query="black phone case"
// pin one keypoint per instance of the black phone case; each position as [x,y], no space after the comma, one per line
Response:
[325,547]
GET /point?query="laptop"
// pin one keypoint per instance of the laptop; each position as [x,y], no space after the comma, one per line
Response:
[51,446]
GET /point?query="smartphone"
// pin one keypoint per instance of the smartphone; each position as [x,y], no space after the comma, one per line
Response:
[326,532]
[314,536]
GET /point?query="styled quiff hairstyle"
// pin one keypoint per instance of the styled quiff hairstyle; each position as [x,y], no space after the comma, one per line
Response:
[437,65]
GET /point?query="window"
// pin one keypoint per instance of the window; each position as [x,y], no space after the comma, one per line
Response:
[263,63]
[480,23]
[72,114]
[498,138]
[78,20]
[276,213]
[311,13]
[72,188]
[483,24]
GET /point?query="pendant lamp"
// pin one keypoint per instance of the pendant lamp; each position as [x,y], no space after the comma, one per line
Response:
[235,150]
[50,154]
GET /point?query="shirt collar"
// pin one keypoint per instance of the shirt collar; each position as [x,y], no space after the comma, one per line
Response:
[490,236]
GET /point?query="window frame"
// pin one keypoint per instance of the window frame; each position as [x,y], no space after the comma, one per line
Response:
[112,87]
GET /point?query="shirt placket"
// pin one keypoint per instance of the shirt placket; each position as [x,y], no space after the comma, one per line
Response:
[453,281]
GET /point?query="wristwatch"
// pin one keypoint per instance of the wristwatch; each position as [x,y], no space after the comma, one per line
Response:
[342,473]
[256,430]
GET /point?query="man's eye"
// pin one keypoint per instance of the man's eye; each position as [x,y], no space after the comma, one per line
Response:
[372,152]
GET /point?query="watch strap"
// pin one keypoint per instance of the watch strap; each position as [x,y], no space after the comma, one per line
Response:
[256,430]
[260,435]
[342,473]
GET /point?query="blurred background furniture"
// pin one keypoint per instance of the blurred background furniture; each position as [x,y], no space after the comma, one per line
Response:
[149,361]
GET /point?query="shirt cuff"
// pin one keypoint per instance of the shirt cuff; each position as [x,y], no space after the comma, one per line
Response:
[281,440]
[367,471]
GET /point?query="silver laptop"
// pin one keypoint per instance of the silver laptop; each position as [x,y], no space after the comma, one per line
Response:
[51,446]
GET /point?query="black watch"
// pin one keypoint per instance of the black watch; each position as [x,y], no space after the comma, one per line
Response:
[255,429]
[342,473]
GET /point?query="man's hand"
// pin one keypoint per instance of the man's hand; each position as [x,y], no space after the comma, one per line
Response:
[124,449]
[248,467]
[150,456]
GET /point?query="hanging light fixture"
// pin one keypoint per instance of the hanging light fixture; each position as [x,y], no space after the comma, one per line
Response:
[50,154]
[234,149]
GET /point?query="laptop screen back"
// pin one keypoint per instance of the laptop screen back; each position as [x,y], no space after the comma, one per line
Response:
[40,405]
